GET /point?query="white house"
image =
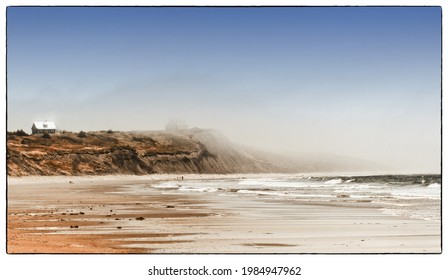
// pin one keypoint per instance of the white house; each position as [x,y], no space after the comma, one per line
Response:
[43,127]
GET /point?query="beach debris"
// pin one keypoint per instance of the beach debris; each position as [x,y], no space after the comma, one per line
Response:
[81,213]
[170,206]
[139,218]
[70,182]
[118,227]
[74,226]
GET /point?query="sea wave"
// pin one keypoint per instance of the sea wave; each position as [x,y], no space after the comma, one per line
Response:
[333,182]
[411,196]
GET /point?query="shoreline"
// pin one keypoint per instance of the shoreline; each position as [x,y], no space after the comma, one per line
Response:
[167,176]
[103,215]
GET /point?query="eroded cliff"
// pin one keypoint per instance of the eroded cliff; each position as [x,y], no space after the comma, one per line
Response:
[101,153]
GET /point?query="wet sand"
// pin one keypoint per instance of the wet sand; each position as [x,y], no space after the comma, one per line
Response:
[104,215]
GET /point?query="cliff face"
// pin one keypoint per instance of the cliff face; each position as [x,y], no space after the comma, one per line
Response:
[184,151]
[101,153]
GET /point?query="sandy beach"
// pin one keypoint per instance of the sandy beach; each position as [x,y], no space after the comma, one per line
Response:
[105,215]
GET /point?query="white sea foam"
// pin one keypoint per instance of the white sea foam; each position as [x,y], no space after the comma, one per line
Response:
[357,196]
[434,186]
[396,197]
[333,182]
[166,185]
[262,193]
[285,194]
[356,188]
[197,189]
[431,192]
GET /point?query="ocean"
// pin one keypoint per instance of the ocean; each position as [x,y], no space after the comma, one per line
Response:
[412,196]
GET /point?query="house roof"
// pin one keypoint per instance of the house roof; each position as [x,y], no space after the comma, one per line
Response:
[44,125]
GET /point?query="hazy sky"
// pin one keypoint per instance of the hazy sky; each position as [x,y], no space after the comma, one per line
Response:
[360,82]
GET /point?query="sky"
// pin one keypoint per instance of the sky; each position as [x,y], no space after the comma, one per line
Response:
[362,82]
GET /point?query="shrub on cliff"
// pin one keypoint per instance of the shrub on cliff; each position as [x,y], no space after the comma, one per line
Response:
[46,135]
[82,134]
[20,132]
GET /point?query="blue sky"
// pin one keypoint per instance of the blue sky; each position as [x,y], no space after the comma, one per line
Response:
[361,82]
